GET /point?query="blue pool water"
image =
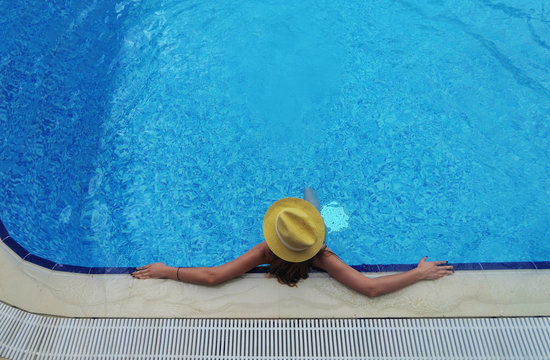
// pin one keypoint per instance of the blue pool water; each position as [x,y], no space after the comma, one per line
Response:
[156,130]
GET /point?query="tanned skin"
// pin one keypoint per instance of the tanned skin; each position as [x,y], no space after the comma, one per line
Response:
[260,254]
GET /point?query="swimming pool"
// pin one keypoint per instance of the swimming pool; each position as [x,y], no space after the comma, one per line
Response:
[161,131]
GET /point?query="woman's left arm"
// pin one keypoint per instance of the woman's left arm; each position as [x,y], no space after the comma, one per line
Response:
[206,275]
[372,287]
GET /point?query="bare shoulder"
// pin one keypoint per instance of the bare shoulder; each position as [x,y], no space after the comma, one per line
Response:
[327,260]
[257,255]
[261,252]
[343,273]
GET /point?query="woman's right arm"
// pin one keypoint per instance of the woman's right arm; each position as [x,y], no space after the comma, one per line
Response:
[257,255]
[372,287]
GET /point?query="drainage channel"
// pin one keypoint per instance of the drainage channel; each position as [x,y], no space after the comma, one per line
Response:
[25,335]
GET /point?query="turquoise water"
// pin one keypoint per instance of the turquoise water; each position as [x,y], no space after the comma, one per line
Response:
[156,130]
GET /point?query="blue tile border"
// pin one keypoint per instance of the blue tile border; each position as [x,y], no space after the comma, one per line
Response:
[72,269]
[367,268]
[508,265]
[16,248]
[467,266]
[37,260]
[396,267]
[111,270]
[3,232]
[374,268]
[542,264]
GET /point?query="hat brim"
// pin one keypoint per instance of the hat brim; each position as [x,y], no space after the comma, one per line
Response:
[270,233]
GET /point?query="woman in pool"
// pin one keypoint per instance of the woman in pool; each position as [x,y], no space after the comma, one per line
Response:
[294,234]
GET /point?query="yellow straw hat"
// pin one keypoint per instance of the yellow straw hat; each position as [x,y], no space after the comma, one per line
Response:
[293,229]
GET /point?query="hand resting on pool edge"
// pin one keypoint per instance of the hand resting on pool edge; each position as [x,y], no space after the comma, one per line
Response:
[294,243]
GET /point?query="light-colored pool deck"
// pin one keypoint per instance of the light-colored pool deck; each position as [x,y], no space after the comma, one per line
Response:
[464,294]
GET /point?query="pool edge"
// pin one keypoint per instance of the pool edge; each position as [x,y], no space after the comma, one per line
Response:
[365,268]
[36,289]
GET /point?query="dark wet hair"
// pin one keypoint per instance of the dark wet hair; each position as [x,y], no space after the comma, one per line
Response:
[290,273]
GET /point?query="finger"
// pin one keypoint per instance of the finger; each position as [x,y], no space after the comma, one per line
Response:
[423,259]
[140,276]
[140,273]
[441,262]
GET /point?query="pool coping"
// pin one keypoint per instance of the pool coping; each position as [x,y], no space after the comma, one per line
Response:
[365,268]
[40,286]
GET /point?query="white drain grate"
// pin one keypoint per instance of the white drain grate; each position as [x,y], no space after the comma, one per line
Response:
[30,336]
